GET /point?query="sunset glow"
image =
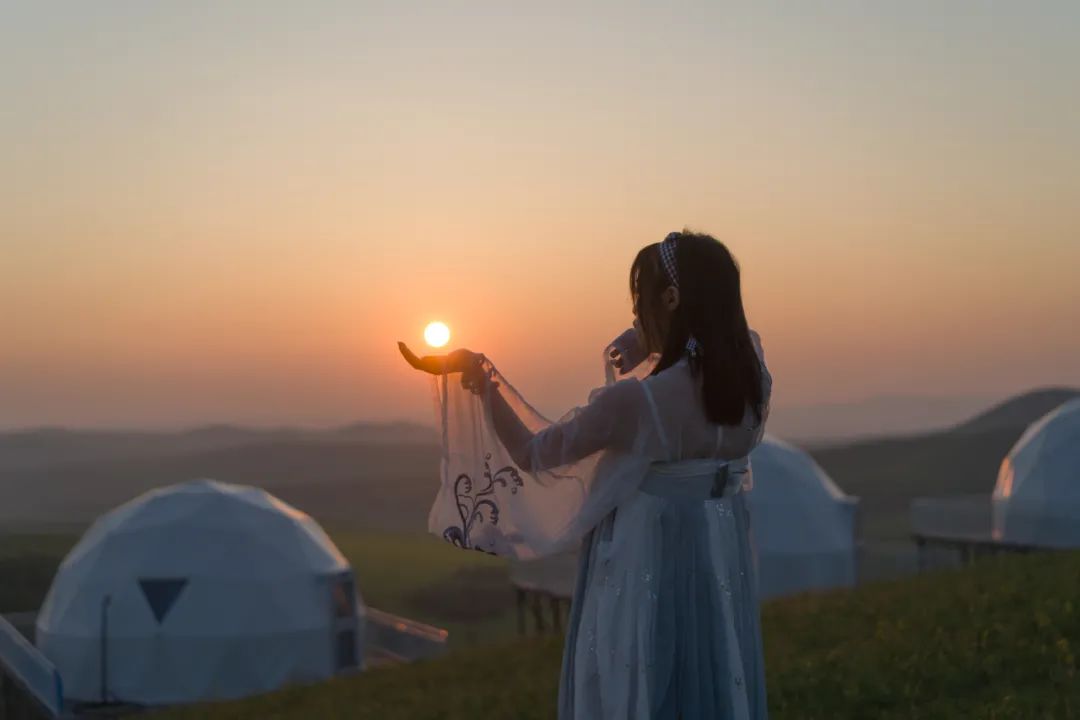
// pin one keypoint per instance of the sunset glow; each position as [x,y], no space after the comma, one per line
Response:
[437,334]
[197,226]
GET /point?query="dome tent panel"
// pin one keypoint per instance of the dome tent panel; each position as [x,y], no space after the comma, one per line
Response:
[1036,500]
[803,524]
[199,591]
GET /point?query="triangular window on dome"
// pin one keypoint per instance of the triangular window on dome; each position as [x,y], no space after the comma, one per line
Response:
[161,594]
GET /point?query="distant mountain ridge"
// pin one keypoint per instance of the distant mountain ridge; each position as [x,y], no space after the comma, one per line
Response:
[385,475]
[1020,410]
[874,417]
[40,447]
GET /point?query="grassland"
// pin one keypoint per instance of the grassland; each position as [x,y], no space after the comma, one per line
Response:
[426,579]
[27,565]
[995,641]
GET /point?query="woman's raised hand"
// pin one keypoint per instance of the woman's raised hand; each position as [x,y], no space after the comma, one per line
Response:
[455,361]
[626,352]
[466,362]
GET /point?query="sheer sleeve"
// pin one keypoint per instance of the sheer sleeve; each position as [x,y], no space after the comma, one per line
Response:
[608,422]
[579,468]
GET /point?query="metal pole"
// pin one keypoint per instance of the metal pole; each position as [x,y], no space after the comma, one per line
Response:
[105,648]
[521,611]
[538,611]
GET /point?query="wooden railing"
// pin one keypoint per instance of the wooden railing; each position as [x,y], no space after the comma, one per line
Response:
[961,524]
[391,638]
[544,587]
[549,612]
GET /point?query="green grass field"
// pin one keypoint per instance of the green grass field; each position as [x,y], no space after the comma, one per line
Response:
[27,565]
[998,640]
[995,641]
[426,579]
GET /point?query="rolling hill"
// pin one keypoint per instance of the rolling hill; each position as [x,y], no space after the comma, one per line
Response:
[873,417]
[1018,411]
[41,447]
[370,476]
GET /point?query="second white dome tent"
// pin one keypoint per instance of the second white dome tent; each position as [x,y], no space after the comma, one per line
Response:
[803,528]
[1036,501]
[803,525]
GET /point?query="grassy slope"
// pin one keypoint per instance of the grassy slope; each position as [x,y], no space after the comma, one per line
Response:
[27,565]
[996,641]
[426,579]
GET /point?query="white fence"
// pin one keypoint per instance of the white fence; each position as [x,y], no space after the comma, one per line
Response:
[21,662]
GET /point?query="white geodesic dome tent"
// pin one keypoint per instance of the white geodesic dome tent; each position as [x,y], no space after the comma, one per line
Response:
[803,525]
[200,591]
[804,530]
[1037,497]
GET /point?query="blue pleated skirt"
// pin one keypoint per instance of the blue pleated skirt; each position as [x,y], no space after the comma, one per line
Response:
[664,622]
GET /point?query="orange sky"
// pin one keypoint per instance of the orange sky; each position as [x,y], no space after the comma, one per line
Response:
[231,214]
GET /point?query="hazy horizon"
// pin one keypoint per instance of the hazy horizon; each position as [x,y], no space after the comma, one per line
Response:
[231,212]
[878,416]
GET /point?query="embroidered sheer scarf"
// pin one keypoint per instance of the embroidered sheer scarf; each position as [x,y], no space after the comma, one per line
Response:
[580,467]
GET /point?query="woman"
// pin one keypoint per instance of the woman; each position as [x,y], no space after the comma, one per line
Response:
[649,477]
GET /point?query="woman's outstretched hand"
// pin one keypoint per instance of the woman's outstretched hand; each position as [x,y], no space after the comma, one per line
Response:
[455,361]
[466,362]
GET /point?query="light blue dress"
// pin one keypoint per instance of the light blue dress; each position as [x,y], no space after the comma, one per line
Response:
[664,622]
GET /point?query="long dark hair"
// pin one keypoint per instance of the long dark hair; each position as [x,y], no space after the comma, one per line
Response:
[710,310]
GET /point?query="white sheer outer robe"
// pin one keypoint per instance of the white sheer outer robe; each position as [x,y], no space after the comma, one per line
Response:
[641,450]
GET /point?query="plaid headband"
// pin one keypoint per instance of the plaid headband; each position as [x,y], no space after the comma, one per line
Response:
[667,258]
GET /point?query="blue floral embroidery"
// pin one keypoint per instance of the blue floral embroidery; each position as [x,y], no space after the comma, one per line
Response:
[473,505]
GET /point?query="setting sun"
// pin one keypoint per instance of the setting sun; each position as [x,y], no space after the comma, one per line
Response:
[437,334]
